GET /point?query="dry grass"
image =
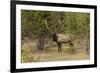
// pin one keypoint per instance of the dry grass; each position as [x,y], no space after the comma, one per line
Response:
[31,54]
[52,55]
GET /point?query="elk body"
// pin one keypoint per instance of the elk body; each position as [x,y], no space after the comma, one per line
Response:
[60,38]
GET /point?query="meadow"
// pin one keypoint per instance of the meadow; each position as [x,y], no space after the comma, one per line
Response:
[30,53]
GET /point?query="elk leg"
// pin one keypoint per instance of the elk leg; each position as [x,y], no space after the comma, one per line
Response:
[60,48]
[70,43]
[72,48]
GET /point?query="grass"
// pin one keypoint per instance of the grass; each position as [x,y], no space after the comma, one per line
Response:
[30,53]
[51,54]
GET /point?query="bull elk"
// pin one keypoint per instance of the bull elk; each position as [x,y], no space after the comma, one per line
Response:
[60,38]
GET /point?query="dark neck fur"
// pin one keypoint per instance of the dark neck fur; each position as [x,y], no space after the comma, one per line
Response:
[55,37]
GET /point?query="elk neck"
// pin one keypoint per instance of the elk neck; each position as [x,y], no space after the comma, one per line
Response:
[54,37]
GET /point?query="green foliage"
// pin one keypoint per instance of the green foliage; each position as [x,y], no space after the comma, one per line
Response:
[33,24]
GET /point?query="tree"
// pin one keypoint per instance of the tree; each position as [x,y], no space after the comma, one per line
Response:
[33,24]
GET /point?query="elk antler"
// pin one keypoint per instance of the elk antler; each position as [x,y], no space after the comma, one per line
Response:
[45,21]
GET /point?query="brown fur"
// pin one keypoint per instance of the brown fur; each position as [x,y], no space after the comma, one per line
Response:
[55,39]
